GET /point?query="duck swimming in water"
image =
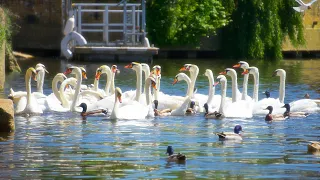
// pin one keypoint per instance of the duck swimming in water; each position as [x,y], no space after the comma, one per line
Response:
[212,115]
[293,114]
[231,136]
[174,157]
[84,112]
[274,117]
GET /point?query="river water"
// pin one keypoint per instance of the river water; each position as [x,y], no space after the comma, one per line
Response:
[62,145]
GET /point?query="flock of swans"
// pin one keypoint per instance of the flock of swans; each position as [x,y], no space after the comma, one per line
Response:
[69,94]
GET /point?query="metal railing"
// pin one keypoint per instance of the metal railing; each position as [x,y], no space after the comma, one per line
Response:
[132,26]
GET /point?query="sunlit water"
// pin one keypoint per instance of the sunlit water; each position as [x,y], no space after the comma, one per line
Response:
[62,145]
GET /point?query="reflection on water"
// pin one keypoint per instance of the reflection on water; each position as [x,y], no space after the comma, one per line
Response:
[63,145]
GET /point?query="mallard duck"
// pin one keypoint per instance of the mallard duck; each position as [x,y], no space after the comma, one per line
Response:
[84,112]
[191,109]
[274,117]
[314,146]
[293,114]
[213,115]
[174,157]
[267,93]
[231,136]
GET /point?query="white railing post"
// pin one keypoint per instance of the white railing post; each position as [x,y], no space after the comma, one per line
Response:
[125,22]
[133,35]
[106,25]
[79,20]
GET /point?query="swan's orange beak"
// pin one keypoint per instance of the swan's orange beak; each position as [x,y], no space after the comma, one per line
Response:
[153,84]
[158,72]
[274,73]
[245,72]
[119,99]
[129,66]
[98,74]
[216,83]
[34,76]
[223,73]
[175,81]
[68,71]
[115,69]
[84,75]
[237,65]
[184,69]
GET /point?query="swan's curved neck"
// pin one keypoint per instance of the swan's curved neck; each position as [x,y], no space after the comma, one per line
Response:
[40,81]
[282,88]
[193,76]
[223,96]
[57,79]
[189,83]
[95,84]
[146,71]
[138,83]
[65,103]
[256,87]
[77,89]
[234,86]
[112,87]
[115,113]
[245,87]
[147,91]
[156,92]
[211,89]
[108,83]
[28,87]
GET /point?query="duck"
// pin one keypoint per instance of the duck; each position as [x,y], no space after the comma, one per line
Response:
[96,112]
[314,147]
[174,157]
[231,136]
[212,115]
[273,117]
[191,110]
[267,93]
[293,114]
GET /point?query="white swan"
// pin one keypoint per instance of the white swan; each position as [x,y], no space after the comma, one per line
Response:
[282,74]
[41,70]
[28,104]
[146,70]
[213,100]
[240,108]
[194,71]
[135,110]
[156,70]
[104,69]
[244,65]
[137,67]
[255,73]
[88,96]
[235,91]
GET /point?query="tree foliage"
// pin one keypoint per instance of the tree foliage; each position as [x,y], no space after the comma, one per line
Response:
[183,22]
[259,27]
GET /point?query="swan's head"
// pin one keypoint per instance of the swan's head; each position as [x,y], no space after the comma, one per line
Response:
[241,64]
[72,69]
[118,94]
[84,107]
[41,67]
[237,129]
[208,73]
[220,79]
[279,72]
[132,65]
[169,150]
[156,70]
[179,77]
[189,67]
[250,70]
[270,108]
[114,69]
[228,71]
[31,72]
[83,72]
[145,67]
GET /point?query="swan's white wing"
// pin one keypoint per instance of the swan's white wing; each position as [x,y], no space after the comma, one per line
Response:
[310,3]
[300,2]
[305,105]
[182,109]
[298,9]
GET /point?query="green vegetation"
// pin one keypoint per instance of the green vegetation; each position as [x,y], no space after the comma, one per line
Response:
[259,27]
[181,23]
[7,28]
